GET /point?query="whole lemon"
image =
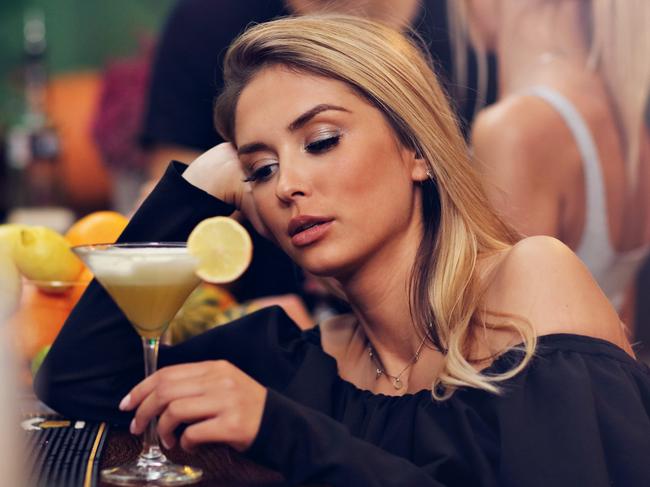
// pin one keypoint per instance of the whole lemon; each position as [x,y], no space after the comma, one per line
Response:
[42,254]
[10,233]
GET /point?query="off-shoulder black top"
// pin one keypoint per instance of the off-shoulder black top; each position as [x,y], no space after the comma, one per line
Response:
[578,415]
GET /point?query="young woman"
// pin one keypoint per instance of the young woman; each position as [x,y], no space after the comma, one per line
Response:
[470,358]
[565,151]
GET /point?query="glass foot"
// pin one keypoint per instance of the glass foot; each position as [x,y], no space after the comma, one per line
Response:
[152,471]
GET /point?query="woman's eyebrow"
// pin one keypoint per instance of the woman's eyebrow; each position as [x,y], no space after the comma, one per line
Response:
[311,113]
[251,148]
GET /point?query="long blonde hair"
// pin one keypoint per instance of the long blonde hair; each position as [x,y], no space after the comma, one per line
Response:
[618,35]
[386,68]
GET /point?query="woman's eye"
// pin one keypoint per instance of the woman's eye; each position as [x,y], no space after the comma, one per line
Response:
[323,145]
[262,173]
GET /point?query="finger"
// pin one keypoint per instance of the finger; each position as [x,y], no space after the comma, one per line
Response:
[186,410]
[161,396]
[208,431]
[144,388]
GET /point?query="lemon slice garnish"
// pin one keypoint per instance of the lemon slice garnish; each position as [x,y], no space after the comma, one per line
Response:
[222,247]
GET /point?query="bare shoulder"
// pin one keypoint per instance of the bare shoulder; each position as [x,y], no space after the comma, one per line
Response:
[543,281]
[517,129]
[511,123]
[523,175]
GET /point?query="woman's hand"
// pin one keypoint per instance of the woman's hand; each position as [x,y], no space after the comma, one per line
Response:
[220,403]
[219,173]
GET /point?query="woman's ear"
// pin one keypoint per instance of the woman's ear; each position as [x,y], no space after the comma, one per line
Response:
[420,171]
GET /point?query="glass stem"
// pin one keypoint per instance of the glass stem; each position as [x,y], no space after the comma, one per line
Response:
[150,445]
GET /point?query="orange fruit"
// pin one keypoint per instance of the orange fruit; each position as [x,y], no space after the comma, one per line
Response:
[79,287]
[86,276]
[39,317]
[97,227]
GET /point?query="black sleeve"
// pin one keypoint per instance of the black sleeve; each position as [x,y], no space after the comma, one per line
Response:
[308,446]
[576,416]
[579,414]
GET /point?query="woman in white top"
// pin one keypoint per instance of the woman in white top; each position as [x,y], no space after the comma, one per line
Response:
[565,151]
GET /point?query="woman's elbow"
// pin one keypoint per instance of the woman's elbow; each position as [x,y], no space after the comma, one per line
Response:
[74,396]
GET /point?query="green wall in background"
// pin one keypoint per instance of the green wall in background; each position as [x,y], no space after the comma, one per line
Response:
[81,34]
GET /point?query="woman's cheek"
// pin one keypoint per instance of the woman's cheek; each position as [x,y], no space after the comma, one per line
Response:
[269,216]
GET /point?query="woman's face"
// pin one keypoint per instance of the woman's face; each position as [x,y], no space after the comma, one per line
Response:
[329,178]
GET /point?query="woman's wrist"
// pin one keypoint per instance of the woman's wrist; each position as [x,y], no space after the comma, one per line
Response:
[208,183]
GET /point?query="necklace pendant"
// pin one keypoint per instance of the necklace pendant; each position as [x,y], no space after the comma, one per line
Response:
[379,372]
[397,384]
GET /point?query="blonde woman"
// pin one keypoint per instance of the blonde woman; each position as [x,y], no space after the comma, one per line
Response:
[565,151]
[470,358]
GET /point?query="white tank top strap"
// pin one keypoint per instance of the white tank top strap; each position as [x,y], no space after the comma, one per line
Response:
[595,243]
[613,270]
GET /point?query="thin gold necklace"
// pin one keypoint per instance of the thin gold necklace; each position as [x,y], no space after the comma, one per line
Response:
[380,370]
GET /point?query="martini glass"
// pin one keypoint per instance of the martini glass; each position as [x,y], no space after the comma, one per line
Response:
[149,282]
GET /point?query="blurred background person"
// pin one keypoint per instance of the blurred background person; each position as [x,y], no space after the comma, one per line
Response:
[9,419]
[186,77]
[187,74]
[10,439]
[565,150]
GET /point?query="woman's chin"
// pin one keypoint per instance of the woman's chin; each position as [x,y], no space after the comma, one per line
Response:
[323,261]
[316,263]
[328,269]
[321,270]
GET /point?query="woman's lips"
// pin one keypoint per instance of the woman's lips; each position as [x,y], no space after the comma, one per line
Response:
[311,234]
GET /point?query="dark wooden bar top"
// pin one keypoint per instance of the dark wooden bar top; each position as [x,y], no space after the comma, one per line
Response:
[222,466]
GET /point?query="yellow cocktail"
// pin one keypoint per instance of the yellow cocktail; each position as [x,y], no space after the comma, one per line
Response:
[149,282]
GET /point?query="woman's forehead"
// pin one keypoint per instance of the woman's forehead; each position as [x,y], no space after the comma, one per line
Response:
[277,94]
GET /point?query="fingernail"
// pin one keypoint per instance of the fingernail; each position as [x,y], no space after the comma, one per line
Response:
[162,440]
[124,403]
[132,426]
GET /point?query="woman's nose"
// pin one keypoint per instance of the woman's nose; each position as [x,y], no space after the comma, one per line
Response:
[292,183]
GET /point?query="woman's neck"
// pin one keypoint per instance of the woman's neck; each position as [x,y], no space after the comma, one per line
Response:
[378,295]
[537,44]
[385,338]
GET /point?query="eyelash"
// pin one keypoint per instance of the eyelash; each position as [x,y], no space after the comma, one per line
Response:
[258,174]
[324,144]
[316,147]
